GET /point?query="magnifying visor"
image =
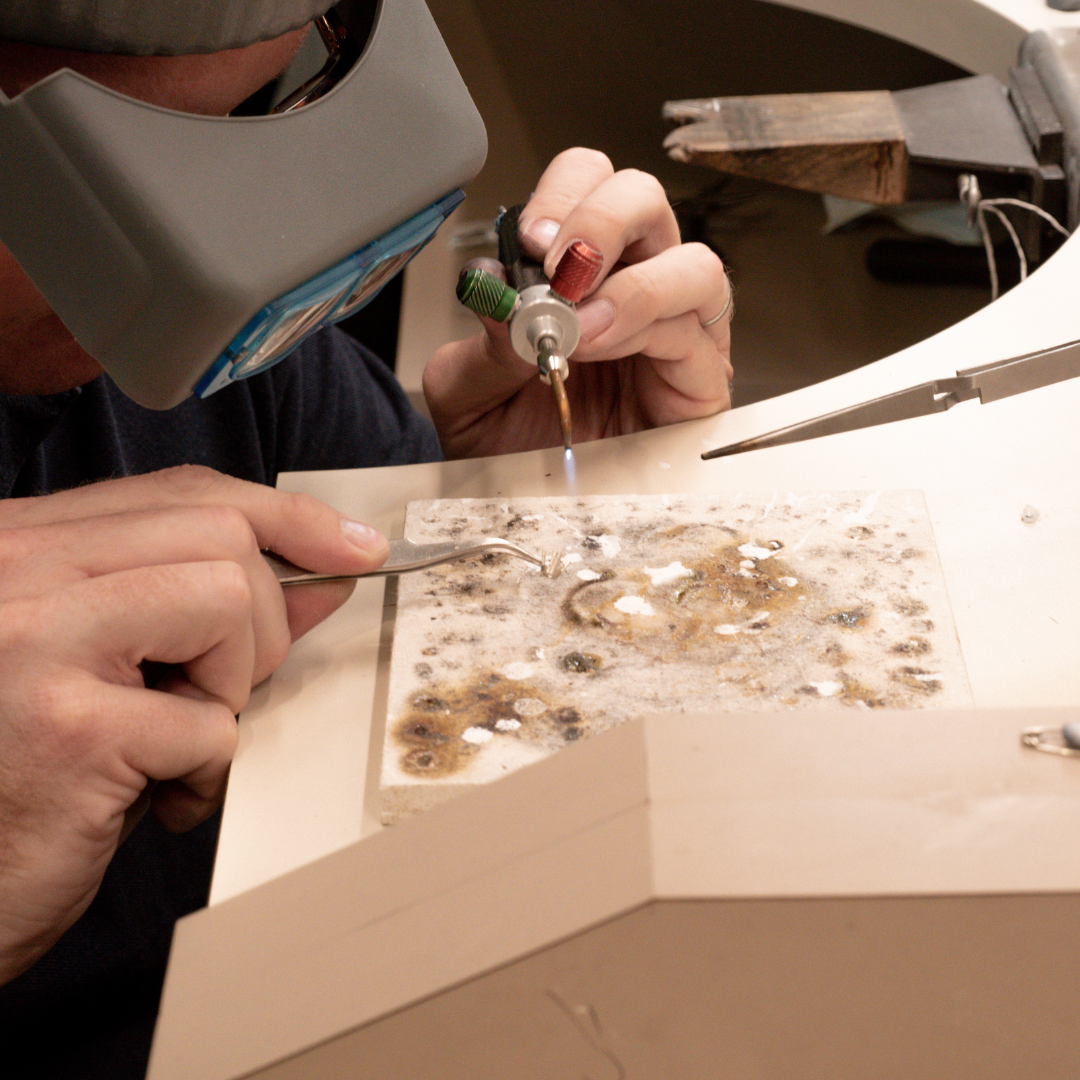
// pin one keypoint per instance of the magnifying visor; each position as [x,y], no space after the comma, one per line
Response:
[186,252]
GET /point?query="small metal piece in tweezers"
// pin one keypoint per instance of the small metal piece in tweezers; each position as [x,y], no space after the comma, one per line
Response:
[405,556]
[988,382]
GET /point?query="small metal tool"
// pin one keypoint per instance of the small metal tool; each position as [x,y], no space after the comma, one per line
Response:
[543,322]
[405,556]
[1063,741]
[989,382]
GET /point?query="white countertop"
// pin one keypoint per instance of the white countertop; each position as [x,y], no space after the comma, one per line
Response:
[980,35]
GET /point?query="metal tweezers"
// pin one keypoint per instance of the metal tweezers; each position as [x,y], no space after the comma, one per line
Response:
[990,382]
[405,556]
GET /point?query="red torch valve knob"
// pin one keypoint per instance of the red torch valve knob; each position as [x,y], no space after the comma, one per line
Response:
[577,270]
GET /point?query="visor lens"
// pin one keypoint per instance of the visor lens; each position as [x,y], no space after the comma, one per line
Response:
[332,295]
[369,284]
[289,330]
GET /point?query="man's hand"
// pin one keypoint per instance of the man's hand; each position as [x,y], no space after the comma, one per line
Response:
[645,359]
[135,616]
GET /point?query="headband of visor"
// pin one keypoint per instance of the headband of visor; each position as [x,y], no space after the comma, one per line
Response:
[153,27]
[184,252]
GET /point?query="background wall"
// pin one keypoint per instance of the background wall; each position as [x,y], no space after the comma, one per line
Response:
[596,72]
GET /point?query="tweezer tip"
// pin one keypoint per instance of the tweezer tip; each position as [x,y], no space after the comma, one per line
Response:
[725,451]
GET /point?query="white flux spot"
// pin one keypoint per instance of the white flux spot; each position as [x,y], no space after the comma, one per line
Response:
[588,575]
[609,545]
[477,735]
[752,551]
[634,605]
[753,625]
[664,574]
[862,515]
[827,689]
[507,725]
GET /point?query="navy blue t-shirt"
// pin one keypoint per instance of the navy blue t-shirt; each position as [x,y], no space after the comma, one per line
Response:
[87,1008]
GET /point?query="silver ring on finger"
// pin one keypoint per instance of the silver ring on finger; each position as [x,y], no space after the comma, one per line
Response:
[724,310]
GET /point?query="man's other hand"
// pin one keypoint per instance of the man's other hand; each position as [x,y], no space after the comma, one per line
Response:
[135,617]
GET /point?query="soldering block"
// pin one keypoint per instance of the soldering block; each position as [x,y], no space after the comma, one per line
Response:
[666,604]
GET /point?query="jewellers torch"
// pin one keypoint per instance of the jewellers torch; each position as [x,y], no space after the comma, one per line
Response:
[541,316]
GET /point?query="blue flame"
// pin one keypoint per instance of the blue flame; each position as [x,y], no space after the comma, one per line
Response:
[570,467]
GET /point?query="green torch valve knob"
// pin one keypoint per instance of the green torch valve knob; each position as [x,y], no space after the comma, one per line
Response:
[485,294]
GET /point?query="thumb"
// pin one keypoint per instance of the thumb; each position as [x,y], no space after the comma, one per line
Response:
[482,300]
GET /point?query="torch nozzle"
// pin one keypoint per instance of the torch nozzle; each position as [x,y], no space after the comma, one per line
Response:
[562,403]
[553,370]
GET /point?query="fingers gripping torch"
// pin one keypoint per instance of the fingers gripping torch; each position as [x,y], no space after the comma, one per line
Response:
[541,316]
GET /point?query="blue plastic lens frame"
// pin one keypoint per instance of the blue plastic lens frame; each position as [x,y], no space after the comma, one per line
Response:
[335,293]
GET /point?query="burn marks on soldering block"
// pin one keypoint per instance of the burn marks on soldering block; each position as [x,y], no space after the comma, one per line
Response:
[677,603]
[439,735]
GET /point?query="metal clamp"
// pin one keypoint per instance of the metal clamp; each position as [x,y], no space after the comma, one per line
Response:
[1063,741]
